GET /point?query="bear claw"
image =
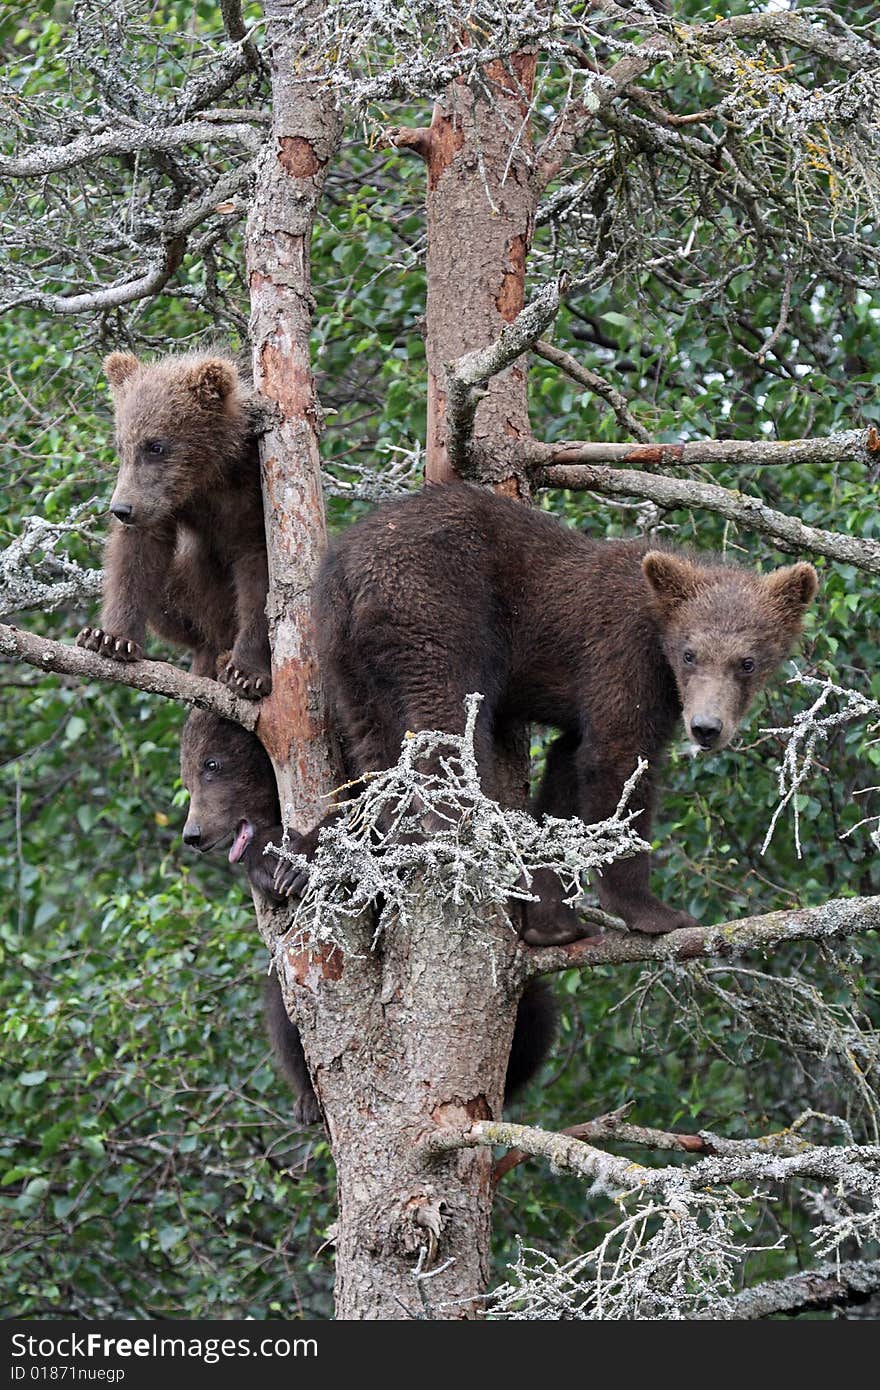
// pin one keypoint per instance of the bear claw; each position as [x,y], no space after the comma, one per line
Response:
[95,639]
[242,683]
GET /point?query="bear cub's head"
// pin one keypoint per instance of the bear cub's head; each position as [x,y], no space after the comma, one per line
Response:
[231,784]
[181,423]
[724,632]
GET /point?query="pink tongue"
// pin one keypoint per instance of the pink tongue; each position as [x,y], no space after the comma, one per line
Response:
[243,836]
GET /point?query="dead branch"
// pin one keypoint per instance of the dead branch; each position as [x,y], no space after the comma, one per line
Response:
[853,1164]
[832,921]
[85,149]
[614,1126]
[832,1285]
[153,677]
[598,385]
[789,532]
[467,373]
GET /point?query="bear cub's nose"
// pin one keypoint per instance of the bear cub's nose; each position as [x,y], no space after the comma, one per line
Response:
[121,510]
[192,834]
[706,729]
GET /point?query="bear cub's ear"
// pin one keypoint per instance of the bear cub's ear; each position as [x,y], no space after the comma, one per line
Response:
[672,578]
[119,367]
[212,380]
[792,589]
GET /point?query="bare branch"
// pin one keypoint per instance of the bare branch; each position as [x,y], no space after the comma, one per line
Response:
[789,532]
[784,25]
[832,921]
[856,1165]
[579,115]
[466,375]
[149,283]
[153,677]
[614,1127]
[598,385]
[831,1285]
[85,149]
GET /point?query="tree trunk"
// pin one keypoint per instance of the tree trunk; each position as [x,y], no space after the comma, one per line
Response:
[480,215]
[305,133]
[402,1040]
[416,1033]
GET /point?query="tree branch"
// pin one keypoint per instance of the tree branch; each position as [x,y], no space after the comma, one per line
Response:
[153,677]
[133,139]
[847,1164]
[465,375]
[579,115]
[614,1126]
[828,1286]
[833,920]
[789,532]
[598,385]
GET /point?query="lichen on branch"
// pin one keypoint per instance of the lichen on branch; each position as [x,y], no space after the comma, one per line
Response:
[426,826]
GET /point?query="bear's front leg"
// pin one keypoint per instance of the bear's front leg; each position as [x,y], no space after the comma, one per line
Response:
[248,670]
[624,887]
[288,1049]
[135,571]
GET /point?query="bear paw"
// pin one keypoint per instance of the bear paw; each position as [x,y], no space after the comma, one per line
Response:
[95,639]
[657,921]
[250,684]
[555,925]
[290,880]
[307,1111]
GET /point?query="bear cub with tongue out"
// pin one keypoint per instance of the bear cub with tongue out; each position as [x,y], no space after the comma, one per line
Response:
[234,800]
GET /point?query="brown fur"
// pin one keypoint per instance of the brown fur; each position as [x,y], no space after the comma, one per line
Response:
[458,589]
[240,787]
[190,562]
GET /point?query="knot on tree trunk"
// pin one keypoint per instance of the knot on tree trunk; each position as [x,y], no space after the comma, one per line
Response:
[423,1218]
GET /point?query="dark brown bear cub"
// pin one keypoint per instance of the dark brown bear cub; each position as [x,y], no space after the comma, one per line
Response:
[187,553]
[610,642]
[234,800]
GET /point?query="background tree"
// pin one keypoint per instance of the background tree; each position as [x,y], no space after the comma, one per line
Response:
[688,206]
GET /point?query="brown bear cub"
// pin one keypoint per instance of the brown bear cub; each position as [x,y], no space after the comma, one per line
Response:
[234,799]
[611,642]
[187,553]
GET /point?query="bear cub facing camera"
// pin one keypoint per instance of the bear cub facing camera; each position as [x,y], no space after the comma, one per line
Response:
[187,552]
[610,642]
[234,802]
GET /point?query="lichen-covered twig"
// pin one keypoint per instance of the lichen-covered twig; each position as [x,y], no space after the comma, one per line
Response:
[426,827]
[34,573]
[833,920]
[810,728]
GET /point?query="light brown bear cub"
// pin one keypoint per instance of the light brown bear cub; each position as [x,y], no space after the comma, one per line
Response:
[187,553]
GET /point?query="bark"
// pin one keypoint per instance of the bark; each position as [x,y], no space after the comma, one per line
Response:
[305,132]
[839,1285]
[400,1042]
[480,219]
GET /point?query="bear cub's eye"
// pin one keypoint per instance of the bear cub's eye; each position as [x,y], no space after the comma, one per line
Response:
[747,663]
[689,657]
[211,765]
[156,447]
